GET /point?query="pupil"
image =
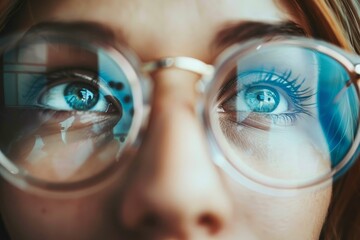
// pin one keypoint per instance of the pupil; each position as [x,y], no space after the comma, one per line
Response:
[260,97]
[80,96]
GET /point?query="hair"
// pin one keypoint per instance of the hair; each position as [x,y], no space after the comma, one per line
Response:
[337,22]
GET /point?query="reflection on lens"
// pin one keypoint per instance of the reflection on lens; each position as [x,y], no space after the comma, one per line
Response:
[81,97]
[68,109]
[284,114]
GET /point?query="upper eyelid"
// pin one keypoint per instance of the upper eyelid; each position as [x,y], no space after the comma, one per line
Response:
[88,76]
[262,76]
[234,79]
[53,78]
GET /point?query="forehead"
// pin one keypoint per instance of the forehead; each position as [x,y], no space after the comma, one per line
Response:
[117,9]
[160,28]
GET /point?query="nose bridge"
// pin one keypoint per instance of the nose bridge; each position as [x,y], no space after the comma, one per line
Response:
[176,128]
[175,135]
[176,180]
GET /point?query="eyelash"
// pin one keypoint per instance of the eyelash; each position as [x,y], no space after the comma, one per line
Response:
[286,82]
[292,87]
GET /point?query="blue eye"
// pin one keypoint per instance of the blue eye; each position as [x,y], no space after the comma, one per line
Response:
[80,96]
[73,91]
[74,97]
[268,96]
[262,99]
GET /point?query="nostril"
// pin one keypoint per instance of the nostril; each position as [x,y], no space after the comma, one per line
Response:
[210,222]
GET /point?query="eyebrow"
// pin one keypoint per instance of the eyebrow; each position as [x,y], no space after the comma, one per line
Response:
[227,35]
[243,31]
[85,29]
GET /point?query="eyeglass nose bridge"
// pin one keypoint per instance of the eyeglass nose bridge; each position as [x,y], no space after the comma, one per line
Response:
[194,65]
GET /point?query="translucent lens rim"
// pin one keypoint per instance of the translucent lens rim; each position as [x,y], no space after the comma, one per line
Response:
[226,160]
[140,84]
[129,64]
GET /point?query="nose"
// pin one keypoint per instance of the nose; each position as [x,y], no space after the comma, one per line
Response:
[175,192]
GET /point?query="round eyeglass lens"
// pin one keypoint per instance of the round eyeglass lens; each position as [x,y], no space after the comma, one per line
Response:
[284,115]
[67,109]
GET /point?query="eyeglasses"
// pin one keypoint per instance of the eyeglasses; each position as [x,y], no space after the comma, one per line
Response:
[279,115]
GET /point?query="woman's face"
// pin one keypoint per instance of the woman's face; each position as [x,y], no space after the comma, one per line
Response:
[176,191]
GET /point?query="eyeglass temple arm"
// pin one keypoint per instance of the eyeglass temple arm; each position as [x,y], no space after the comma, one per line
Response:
[348,83]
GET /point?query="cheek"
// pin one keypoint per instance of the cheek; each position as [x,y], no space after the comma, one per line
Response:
[262,216]
[288,154]
[45,218]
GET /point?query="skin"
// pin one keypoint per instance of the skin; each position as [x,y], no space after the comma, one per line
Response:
[176,192]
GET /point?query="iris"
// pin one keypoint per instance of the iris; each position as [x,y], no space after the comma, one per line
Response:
[262,99]
[81,96]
